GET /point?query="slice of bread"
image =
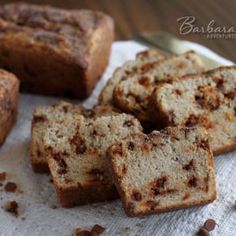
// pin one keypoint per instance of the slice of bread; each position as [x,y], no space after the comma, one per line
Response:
[132,94]
[151,55]
[57,112]
[207,100]
[76,153]
[163,171]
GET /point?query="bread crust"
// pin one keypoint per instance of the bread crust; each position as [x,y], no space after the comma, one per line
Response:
[76,196]
[9,92]
[54,51]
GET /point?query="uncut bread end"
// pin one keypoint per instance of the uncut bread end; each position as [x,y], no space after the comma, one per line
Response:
[55,51]
[163,171]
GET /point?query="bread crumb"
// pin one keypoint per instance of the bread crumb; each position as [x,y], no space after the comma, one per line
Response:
[54,206]
[97,230]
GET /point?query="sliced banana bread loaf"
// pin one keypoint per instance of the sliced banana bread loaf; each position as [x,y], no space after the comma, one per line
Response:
[130,67]
[58,113]
[9,90]
[76,153]
[207,100]
[132,94]
[163,171]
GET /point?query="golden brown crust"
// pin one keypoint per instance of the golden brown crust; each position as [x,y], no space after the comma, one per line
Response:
[66,47]
[75,196]
[40,167]
[9,89]
[225,149]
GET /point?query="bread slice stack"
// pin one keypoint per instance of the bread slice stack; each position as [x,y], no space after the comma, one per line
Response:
[129,67]
[205,100]
[91,154]
[133,91]
[76,153]
[164,170]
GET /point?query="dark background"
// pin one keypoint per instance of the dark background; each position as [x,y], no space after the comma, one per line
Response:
[132,16]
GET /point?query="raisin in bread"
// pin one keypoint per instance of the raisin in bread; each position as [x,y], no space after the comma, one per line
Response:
[130,67]
[9,90]
[133,92]
[55,51]
[207,100]
[76,153]
[57,112]
[163,171]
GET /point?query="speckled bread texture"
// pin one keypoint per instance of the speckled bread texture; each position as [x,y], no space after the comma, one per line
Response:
[207,100]
[163,171]
[76,152]
[9,89]
[129,67]
[54,51]
[59,112]
[132,94]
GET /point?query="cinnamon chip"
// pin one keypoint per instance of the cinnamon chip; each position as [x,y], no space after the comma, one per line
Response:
[11,207]
[79,232]
[53,206]
[203,232]
[97,230]
[3,176]
[210,224]
[10,187]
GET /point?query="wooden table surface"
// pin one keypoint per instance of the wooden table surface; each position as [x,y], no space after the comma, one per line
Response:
[132,16]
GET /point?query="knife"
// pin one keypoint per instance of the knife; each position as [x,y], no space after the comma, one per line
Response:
[168,44]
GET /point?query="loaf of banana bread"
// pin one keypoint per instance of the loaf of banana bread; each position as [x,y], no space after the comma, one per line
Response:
[54,51]
[9,89]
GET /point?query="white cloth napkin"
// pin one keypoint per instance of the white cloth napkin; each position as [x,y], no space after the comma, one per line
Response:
[38,193]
